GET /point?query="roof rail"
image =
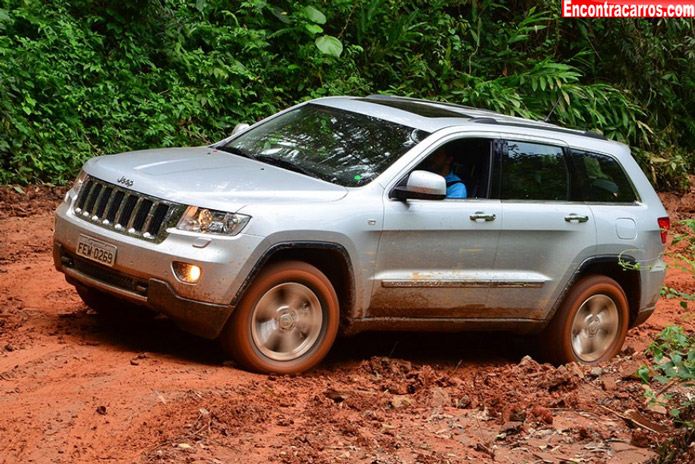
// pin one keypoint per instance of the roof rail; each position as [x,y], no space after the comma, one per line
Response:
[483,120]
[377,96]
[492,120]
[593,135]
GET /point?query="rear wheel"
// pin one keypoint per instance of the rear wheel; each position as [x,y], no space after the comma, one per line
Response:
[590,325]
[286,322]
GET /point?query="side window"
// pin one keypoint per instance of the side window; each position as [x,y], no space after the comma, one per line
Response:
[465,164]
[600,178]
[533,171]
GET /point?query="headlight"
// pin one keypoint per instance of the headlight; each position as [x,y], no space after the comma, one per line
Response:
[211,221]
[77,185]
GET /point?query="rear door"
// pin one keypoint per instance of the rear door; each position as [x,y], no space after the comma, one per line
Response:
[544,236]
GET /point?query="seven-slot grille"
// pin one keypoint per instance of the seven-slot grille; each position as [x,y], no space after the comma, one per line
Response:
[124,211]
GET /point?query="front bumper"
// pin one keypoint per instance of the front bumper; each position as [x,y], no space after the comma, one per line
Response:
[143,271]
[197,317]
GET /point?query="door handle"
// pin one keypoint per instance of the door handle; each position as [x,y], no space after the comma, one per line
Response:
[480,216]
[576,218]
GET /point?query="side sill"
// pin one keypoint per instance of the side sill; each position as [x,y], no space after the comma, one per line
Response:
[520,326]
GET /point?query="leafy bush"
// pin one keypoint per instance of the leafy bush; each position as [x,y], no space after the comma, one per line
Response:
[81,77]
[673,351]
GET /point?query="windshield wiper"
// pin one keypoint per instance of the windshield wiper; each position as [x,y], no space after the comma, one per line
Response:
[268,159]
[236,151]
[283,164]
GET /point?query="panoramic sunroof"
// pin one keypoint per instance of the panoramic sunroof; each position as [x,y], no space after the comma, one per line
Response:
[421,109]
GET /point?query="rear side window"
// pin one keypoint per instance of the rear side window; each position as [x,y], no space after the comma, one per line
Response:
[532,171]
[599,178]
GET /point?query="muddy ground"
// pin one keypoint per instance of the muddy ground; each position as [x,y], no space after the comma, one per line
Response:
[77,389]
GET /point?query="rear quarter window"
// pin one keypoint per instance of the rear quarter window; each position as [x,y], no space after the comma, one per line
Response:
[600,178]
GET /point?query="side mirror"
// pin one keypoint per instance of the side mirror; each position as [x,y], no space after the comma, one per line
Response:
[241,127]
[421,185]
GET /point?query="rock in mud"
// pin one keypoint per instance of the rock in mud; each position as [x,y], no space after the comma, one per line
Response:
[542,413]
[439,398]
[400,402]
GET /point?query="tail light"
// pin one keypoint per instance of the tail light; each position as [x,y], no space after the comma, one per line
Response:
[664,226]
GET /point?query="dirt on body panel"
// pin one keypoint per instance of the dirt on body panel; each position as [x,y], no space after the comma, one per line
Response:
[76,389]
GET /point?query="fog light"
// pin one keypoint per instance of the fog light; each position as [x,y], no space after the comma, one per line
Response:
[188,273]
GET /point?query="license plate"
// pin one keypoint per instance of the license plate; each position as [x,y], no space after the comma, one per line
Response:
[96,250]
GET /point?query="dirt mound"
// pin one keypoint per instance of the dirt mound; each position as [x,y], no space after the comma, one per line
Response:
[680,206]
[76,389]
[27,201]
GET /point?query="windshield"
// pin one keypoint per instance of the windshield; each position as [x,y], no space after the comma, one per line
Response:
[338,146]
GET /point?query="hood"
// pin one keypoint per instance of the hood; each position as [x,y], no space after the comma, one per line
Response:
[210,178]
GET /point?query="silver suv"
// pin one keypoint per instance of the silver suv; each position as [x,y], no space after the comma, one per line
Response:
[374,213]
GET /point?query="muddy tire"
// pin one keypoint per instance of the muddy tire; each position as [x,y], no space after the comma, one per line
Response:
[590,325]
[111,307]
[286,321]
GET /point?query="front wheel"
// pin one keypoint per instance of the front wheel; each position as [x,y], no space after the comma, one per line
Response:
[286,321]
[590,325]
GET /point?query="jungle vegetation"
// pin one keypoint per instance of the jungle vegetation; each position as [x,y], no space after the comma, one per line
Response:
[80,78]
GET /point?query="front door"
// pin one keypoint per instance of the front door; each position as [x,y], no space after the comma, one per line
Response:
[436,257]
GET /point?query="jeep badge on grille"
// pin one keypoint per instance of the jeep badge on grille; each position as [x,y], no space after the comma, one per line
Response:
[124,181]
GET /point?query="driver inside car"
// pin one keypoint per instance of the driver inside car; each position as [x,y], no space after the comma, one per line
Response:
[439,162]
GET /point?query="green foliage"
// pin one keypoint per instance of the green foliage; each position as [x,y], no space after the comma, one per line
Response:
[329,45]
[673,350]
[674,355]
[674,361]
[682,253]
[80,78]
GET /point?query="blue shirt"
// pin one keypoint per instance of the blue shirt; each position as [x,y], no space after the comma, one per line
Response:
[454,186]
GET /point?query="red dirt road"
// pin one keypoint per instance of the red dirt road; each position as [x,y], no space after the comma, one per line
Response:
[77,389]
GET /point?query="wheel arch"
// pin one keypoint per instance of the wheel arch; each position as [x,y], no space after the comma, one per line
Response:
[332,259]
[618,268]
